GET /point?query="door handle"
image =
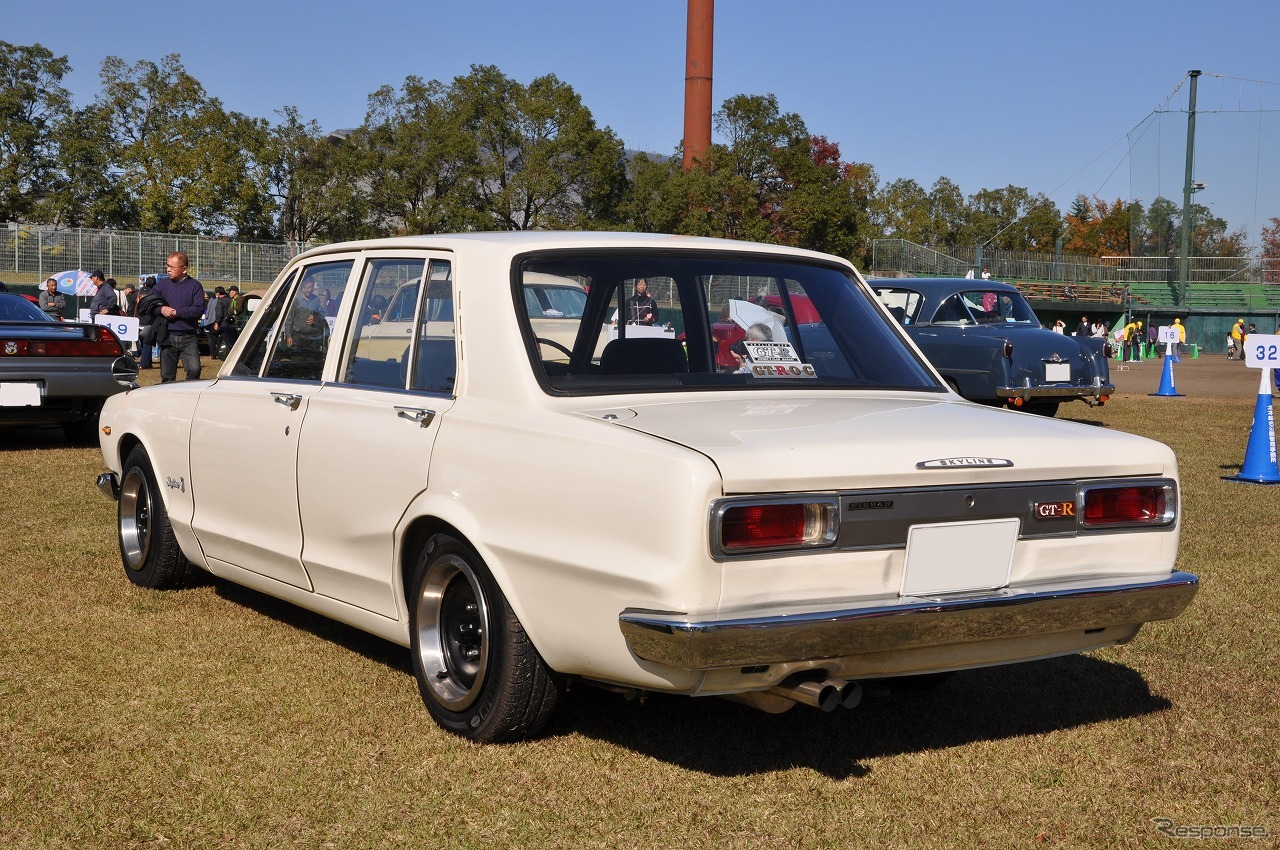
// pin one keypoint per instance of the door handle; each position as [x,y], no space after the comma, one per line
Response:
[289,400]
[416,414]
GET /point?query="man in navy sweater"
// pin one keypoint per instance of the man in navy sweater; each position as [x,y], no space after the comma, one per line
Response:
[184,304]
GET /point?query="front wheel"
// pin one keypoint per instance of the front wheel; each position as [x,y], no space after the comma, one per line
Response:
[148,549]
[478,673]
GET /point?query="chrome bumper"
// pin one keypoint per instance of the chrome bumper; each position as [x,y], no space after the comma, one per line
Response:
[1060,392]
[109,485]
[776,636]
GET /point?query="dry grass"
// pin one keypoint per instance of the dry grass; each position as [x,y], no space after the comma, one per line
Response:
[218,718]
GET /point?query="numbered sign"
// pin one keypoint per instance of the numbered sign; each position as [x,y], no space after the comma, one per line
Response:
[1168,333]
[1262,351]
[126,327]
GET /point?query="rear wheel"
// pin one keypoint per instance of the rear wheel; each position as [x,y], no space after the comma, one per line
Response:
[478,673]
[148,549]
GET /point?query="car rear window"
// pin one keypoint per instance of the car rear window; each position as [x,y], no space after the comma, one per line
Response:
[705,321]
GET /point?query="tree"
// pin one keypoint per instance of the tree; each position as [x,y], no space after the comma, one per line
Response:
[1098,229]
[188,165]
[316,182]
[1012,219]
[418,161]
[539,161]
[1270,253]
[33,104]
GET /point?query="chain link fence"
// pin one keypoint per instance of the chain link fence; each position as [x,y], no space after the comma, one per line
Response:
[35,252]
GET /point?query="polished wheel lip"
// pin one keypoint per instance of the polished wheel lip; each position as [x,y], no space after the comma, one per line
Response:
[445,633]
[135,519]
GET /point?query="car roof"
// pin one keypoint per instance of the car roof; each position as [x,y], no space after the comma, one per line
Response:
[516,242]
[933,287]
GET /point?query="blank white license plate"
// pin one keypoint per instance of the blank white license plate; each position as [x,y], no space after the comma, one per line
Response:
[953,557]
[19,394]
[1057,372]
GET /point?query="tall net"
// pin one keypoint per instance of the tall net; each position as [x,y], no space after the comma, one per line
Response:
[1236,159]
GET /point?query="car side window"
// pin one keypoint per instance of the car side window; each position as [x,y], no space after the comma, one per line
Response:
[382,324]
[952,311]
[435,359]
[264,333]
[302,336]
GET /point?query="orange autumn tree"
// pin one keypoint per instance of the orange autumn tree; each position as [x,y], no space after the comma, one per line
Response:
[1096,228]
[1270,253]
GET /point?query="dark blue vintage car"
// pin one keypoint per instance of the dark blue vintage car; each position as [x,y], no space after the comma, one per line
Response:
[988,344]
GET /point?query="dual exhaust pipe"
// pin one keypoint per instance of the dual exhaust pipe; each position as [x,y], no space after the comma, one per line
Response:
[827,695]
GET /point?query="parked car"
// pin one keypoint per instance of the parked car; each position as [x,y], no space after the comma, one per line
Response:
[57,373]
[986,341]
[618,510]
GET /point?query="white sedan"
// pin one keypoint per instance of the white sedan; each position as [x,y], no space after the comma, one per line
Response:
[615,507]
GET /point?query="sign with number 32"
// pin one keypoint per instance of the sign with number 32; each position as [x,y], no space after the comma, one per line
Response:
[1262,351]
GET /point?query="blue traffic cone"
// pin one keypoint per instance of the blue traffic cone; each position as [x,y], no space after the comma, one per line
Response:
[1166,380]
[1259,465]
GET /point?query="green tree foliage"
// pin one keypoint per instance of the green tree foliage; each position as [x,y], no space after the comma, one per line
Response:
[539,161]
[33,105]
[189,165]
[314,181]
[771,181]
[1012,219]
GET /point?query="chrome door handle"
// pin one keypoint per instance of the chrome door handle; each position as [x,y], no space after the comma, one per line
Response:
[289,400]
[416,414]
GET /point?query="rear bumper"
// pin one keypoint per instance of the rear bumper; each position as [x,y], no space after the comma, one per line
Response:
[1056,392]
[778,636]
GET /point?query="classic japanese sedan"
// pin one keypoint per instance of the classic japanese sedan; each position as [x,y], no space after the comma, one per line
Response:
[522,512]
[57,373]
[989,346]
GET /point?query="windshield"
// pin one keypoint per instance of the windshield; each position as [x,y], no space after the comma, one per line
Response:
[15,308]
[699,320]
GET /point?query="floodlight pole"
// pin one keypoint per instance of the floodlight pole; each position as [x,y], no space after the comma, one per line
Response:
[1186,190]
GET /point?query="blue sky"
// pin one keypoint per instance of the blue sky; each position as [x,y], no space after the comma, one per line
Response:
[1039,95]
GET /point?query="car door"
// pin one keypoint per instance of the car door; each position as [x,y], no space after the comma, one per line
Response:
[365,451]
[244,435]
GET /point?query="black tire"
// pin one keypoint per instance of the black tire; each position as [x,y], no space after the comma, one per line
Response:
[479,675]
[148,549]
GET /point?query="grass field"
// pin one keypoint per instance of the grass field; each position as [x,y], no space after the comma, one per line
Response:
[215,717]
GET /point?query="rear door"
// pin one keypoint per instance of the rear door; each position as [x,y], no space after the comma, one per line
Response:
[365,452]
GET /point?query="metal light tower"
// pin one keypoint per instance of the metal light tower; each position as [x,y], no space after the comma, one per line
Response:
[1187,189]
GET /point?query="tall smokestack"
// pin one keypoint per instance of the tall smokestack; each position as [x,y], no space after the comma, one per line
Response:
[697,81]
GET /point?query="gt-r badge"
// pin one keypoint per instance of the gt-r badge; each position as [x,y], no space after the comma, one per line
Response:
[970,462]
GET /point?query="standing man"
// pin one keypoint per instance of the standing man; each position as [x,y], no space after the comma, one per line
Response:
[105,302]
[641,309]
[1237,338]
[235,315]
[1083,329]
[183,305]
[215,320]
[52,301]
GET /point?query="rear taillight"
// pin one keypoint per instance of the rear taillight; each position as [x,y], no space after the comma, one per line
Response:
[102,344]
[771,526]
[1130,505]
